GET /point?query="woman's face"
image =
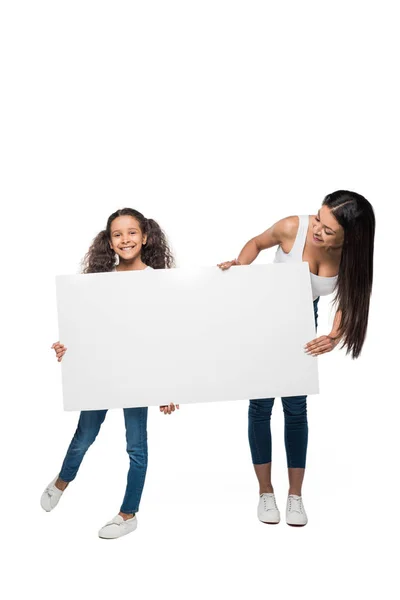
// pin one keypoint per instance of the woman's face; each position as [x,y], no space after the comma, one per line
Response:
[327,233]
[127,238]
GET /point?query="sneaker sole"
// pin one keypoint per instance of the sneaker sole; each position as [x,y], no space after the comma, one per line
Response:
[118,536]
[269,522]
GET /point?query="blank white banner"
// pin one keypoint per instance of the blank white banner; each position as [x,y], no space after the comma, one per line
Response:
[152,337]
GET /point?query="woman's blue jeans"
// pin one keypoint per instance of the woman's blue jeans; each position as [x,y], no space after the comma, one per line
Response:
[296,426]
[136,445]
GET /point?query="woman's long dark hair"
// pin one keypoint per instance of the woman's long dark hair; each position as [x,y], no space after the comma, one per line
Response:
[156,253]
[356,215]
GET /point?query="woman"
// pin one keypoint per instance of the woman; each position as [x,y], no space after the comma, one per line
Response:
[338,244]
[130,242]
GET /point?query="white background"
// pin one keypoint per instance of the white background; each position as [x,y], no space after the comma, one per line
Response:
[216,119]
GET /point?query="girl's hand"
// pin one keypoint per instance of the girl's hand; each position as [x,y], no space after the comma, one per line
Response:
[60,350]
[321,345]
[228,264]
[167,410]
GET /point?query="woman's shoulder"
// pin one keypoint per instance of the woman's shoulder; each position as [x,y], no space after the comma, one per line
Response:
[287,228]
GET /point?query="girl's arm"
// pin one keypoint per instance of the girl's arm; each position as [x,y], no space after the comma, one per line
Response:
[283,231]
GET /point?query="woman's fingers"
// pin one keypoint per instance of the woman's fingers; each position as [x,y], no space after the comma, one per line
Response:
[319,346]
[228,264]
[315,343]
[321,350]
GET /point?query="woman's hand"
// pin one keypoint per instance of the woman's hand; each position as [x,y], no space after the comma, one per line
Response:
[321,345]
[228,264]
[167,410]
[60,350]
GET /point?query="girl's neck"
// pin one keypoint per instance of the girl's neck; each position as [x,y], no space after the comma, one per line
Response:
[135,265]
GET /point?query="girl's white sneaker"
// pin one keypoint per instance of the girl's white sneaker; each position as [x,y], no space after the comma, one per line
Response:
[295,512]
[117,527]
[51,496]
[267,509]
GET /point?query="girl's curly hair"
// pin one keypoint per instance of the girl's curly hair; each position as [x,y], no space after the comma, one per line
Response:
[156,253]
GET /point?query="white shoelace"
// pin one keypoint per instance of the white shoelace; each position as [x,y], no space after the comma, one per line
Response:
[269,500]
[295,505]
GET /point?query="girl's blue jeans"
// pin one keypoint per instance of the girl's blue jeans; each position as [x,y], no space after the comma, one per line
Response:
[296,426]
[136,445]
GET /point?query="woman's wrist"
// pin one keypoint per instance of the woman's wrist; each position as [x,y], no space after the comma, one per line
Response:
[335,337]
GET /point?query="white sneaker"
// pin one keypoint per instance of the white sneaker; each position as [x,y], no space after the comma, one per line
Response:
[295,512]
[50,496]
[117,527]
[267,509]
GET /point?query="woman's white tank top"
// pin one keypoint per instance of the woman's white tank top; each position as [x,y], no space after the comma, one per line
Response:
[321,286]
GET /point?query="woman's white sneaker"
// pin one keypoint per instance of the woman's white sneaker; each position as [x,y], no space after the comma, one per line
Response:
[51,496]
[117,527]
[295,512]
[267,509]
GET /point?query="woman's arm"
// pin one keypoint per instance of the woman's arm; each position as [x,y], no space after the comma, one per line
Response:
[335,333]
[326,343]
[283,231]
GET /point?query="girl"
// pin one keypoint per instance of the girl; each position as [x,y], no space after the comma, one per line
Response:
[130,242]
[338,244]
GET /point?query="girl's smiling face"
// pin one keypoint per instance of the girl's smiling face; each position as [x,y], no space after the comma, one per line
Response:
[327,233]
[126,238]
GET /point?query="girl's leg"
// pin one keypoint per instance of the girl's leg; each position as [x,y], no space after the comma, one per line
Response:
[136,446]
[260,441]
[88,427]
[296,439]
